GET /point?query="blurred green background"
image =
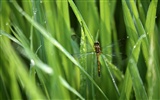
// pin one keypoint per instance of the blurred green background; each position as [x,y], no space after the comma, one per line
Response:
[45,46]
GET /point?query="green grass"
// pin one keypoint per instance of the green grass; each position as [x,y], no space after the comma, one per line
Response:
[36,49]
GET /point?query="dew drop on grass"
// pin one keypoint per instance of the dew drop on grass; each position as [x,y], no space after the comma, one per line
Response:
[6,24]
[35,11]
[20,10]
[83,49]
[32,63]
[134,46]
[127,37]
[41,1]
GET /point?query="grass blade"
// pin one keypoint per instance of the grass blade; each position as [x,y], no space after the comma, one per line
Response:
[153,71]
[81,20]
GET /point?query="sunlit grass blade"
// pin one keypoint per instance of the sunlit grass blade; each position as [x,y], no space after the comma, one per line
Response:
[132,33]
[3,13]
[134,77]
[140,29]
[83,49]
[142,13]
[127,87]
[89,12]
[138,85]
[81,20]
[153,71]
[30,55]
[105,25]
[151,16]
[131,29]
[10,37]
[118,74]
[18,70]
[70,88]
[111,75]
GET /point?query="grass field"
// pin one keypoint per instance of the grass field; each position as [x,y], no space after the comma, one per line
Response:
[40,38]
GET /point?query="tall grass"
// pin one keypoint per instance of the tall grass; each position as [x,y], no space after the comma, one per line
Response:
[37,48]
